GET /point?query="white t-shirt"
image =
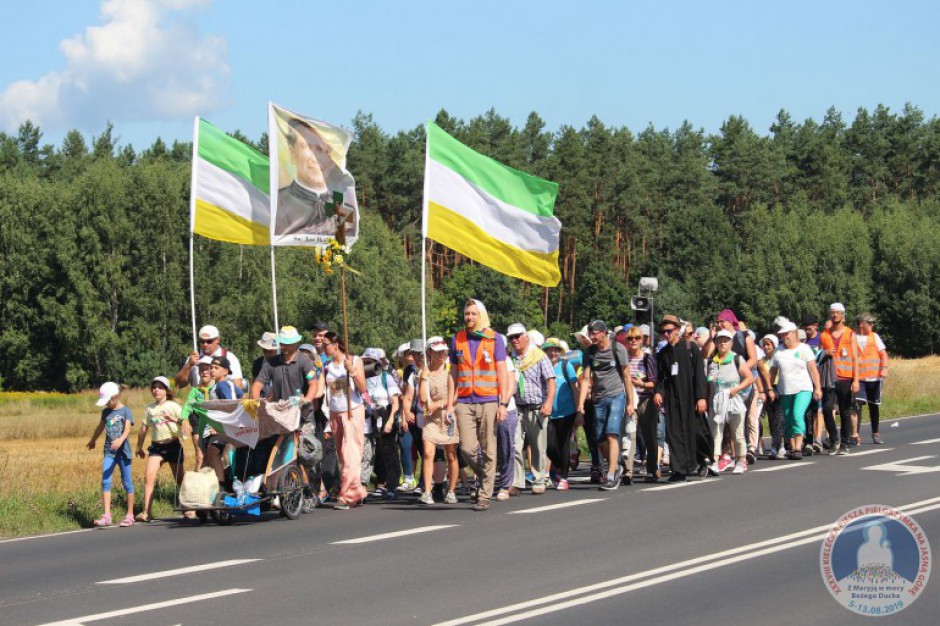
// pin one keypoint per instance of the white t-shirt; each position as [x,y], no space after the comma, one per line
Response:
[793,369]
[380,397]
[336,381]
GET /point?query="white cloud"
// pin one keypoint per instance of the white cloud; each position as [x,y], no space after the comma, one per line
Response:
[146,61]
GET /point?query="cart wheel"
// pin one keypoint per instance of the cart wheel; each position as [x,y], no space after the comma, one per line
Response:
[202,516]
[290,488]
[222,518]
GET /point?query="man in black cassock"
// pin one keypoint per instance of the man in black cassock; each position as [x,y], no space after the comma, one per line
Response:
[682,390]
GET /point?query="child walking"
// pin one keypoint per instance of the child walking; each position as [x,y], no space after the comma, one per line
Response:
[164,420]
[116,422]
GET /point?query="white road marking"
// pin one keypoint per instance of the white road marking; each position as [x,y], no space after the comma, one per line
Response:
[398,533]
[777,468]
[687,483]
[78,621]
[663,574]
[867,452]
[925,441]
[903,469]
[552,507]
[67,532]
[176,572]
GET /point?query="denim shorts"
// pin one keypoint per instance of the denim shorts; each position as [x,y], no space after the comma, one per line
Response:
[609,416]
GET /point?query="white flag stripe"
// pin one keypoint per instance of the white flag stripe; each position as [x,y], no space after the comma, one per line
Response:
[232,193]
[505,222]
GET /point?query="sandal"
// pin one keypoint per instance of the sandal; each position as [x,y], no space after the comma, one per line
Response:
[104,520]
[144,518]
[127,521]
[481,505]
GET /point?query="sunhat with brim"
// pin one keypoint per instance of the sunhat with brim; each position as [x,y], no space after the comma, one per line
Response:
[669,319]
[583,332]
[437,344]
[403,349]
[268,341]
[163,380]
[865,317]
[536,337]
[289,336]
[416,346]
[373,354]
[106,392]
[786,327]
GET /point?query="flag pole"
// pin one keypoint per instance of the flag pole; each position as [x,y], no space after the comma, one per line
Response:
[424,244]
[273,177]
[192,227]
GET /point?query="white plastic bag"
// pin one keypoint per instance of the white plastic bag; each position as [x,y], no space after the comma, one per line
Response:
[199,489]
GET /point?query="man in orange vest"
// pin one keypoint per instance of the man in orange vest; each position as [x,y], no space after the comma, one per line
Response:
[480,394]
[872,369]
[839,343]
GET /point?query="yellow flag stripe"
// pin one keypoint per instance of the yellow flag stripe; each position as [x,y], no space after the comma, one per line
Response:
[214,222]
[463,236]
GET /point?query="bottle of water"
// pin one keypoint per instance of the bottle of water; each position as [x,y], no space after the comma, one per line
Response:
[450,424]
[295,399]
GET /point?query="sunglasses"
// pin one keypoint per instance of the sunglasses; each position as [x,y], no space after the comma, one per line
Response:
[514,337]
[668,331]
[208,340]
[634,338]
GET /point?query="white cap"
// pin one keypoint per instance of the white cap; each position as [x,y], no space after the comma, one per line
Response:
[537,338]
[208,332]
[106,392]
[515,329]
[163,380]
[403,349]
[374,354]
[437,344]
[837,306]
[727,334]
[772,339]
[645,329]
[787,326]
[205,359]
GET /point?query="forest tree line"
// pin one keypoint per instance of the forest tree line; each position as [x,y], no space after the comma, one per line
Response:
[94,239]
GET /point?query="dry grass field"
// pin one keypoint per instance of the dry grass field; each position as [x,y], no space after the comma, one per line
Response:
[49,481]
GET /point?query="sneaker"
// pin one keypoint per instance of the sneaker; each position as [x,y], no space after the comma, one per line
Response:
[104,520]
[780,454]
[538,490]
[553,476]
[407,485]
[795,456]
[750,457]
[391,495]
[450,498]
[563,485]
[676,477]
[725,465]
[596,477]
[842,451]
[502,495]
[610,485]
[876,439]
[740,467]
[418,490]
[127,521]
[808,450]
[817,449]
[426,498]
[380,492]
[712,469]
[529,477]
[833,449]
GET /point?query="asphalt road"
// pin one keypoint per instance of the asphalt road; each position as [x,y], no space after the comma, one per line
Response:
[719,551]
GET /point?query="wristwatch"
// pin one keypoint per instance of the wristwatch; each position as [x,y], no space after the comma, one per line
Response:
[504,404]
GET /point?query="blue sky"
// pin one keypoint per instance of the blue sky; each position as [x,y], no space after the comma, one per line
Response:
[149,66]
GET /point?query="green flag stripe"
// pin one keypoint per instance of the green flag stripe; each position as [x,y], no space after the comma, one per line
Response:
[233,156]
[519,189]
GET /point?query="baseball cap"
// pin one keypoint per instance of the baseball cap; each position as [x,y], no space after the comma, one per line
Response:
[724,334]
[403,349]
[268,341]
[515,329]
[309,347]
[106,392]
[319,327]
[786,327]
[222,361]
[808,320]
[208,332]
[374,354]
[552,342]
[437,344]
[205,360]
[163,380]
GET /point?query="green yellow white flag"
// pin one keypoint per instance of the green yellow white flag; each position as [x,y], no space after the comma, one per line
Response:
[230,187]
[491,213]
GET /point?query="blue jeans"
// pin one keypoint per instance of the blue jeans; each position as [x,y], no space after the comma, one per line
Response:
[608,416]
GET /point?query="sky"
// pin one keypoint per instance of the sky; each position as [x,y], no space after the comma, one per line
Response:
[150,66]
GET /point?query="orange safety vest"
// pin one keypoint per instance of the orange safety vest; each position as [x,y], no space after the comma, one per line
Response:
[477,377]
[843,358]
[869,360]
